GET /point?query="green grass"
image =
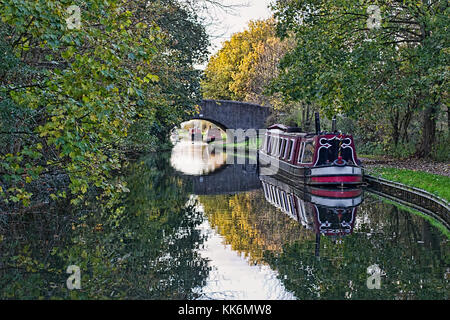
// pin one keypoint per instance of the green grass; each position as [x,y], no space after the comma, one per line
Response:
[252,144]
[436,184]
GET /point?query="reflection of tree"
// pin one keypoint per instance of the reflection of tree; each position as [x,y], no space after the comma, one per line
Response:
[142,246]
[27,263]
[390,238]
[250,224]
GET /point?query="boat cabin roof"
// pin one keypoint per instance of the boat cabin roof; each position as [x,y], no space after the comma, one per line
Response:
[282,129]
[296,131]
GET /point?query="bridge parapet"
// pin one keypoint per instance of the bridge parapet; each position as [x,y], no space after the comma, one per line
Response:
[234,114]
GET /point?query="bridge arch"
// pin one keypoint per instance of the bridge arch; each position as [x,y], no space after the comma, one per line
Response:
[216,123]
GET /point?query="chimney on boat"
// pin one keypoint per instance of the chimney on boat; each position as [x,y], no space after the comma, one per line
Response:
[317,123]
[333,124]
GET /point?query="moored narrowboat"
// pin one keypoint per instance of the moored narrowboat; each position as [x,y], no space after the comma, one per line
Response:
[320,158]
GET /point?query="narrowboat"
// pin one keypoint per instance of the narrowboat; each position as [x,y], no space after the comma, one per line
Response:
[324,211]
[320,158]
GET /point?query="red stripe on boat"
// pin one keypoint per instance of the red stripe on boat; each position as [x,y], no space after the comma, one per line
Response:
[336,194]
[336,179]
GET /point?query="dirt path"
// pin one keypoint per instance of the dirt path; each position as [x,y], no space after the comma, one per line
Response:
[411,164]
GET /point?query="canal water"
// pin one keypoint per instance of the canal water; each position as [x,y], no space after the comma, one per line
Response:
[194,226]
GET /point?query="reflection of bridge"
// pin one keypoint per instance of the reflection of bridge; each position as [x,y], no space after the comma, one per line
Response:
[233,114]
[229,179]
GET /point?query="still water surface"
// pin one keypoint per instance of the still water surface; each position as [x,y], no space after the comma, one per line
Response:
[194,227]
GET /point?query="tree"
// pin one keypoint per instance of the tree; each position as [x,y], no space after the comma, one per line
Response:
[347,65]
[245,64]
[74,101]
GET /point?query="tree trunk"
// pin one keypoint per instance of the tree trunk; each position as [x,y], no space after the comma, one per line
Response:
[395,126]
[428,133]
[448,121]
[405,124]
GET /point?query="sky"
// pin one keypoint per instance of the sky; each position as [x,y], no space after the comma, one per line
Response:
[229,23]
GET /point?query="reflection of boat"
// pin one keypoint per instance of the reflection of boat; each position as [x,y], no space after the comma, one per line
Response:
[320,158]
[330,212]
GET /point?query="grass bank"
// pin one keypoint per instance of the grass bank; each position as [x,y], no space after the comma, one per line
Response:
[436,184]
[249,144]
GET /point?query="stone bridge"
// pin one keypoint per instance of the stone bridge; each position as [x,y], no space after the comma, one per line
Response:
[233,114]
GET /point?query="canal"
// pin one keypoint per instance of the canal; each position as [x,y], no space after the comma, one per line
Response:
[193,226]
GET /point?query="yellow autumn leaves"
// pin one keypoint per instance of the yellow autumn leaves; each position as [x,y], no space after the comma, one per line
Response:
[246,64]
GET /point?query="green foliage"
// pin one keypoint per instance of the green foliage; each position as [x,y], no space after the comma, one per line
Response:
[382,75]
[75,101]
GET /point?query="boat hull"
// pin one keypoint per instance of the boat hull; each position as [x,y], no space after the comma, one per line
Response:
[329,175]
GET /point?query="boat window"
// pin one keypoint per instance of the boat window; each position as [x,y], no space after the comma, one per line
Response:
[300,152]
[283,196]
[265,191]
[293,211]
[283,147]
[288,148]
[277,151]
[267,143]
[274,195]
[288,145]
[302,212]
[275,146]
[291,149]
[270,147]
[278,197]
[281,200]
[288,204]
[308,152]
[280,143]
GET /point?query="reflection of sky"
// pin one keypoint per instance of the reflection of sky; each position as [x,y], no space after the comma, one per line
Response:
[233,278]
[194,159]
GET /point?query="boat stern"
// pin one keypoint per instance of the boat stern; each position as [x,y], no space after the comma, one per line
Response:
[336,175]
